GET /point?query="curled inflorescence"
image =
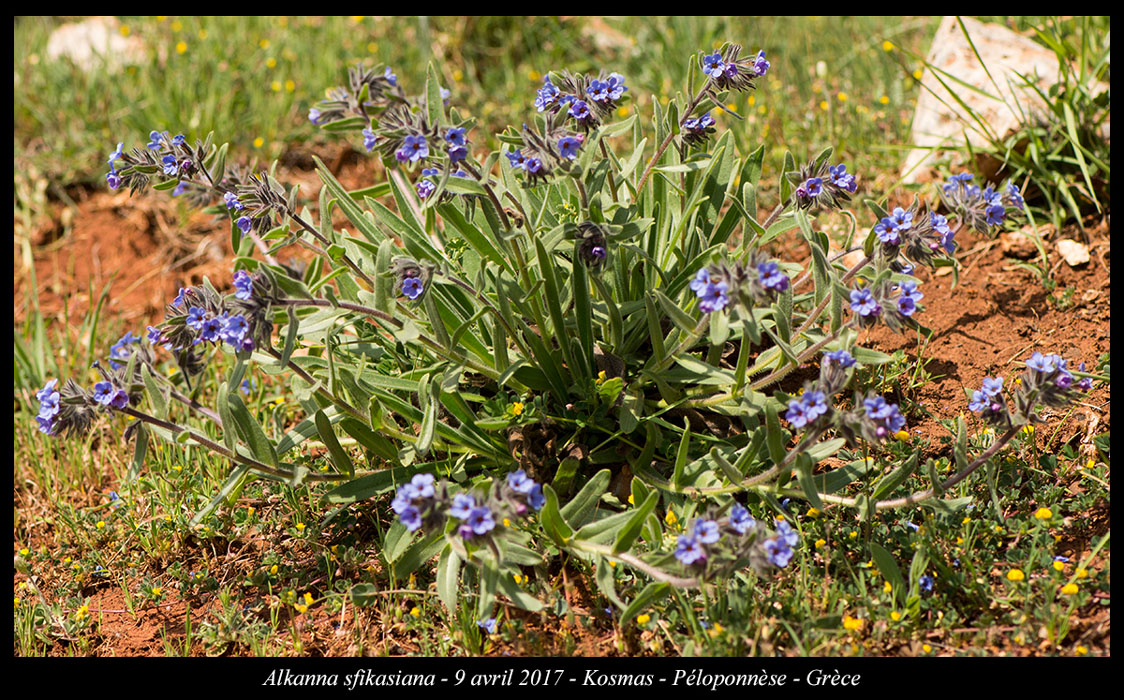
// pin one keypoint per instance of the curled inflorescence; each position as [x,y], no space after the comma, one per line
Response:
[714,547]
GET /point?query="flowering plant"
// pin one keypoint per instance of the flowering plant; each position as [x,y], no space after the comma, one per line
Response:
[525,319]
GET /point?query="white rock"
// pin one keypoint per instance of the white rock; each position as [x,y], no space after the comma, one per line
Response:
[940,121]
[95,44]
[1073,252]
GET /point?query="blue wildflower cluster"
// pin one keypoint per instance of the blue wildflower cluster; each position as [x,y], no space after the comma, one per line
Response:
[369,90]
[916,234]
[473,517]
[757,281]
[822,185]
[890,303]
[727,70]
[981,209]
[582,100]
[716,546]
[411,278]
[1047,381]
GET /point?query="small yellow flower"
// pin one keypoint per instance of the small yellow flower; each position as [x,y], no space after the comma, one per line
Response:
[17,601]
[271,62]
[273,569]
[643,619]
[1082,573]
[824,105]
[181,47]
[264,44]
[167,518]
[1081,651]
[670,518]
[780,516]
[258,143]
[507,522]
[967,519]
[1028,429]
[853,534]
[664,99]
[1069,589]
[813,512]
[1043,514]
[612,565]
[622,111]
[631,500]
[917,74]
[458,74]
[1015,575]
[887,45]
[1059,565]
[356,19]
[372,47]
[290,86]
[308,599]
[124,30]
[415,611]
[534,76]
[853,624]
[886,587]
[885,99]
[517,578]
[275,86]
[202,34]
[161,18]
[902,435]
[959,540]
[250,511]
[842,97]
[301,608]
[517,408]
[716,630]
[157,590]
[82,612]
[820,542]
[24,552]
[67,560]
[300,527]
[926,648]
[101,524]
[177,25]
[895,616]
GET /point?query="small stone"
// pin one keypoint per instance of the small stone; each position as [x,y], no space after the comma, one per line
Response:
[1072,252]
[1016,244]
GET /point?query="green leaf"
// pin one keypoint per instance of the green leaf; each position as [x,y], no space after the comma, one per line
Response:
[232,482]
[635,524]
[251,431]
[650,594]
[889,568]
[517,595]
[418,553]
[434,104]
[336,453]
[804,478]
[681,455]
[139,451]
[552,521]
[580,508]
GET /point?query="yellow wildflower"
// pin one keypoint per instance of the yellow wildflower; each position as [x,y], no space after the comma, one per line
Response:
[125,30]
[842,97]
[820,542]
[1015,575]
[813,512]
[885,99]
[824,105]
[895,616]
[670,518]
[415,611]
[917,74]
[517,408]
[157,590]
[887,45]
[290,86]
[643,619]
[258,143]
[308,599]
[622,111]
[1059,565]
[101,524]
[1081,651]
[1069,589]
[853,624]
[275,86]
[273,569]
[1043,514]
[264,43]
[82,612]
[181,47]
[926,648]
[1082,573]
[886,587]
[300,527]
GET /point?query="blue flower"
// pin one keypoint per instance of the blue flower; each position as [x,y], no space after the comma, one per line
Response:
[713,298]
[113,180]
[777,552]
[547,94]
[925,582]
[455,136]
[515,158]
[841,178]
[615,83]
[243,285]
[411,517]
[488,624]
[740,519]
[231,201]
[412,288]
[179,297]
[598,91]
[840,357]
[480,520]
[425,188]
[244,223]
[807,408]
[211,329]
[980,402]
[1041,363]
[415,148]
[314,115]
[119,153]
[195,317]
[155,137]
[171,167]
[713,65]
[995,214]
[532,165]
[992,386]
[813,186]
[369,139]
[760,65]
[1014,197]
[520,482]
[907,302]
[463,505]
[390,77]
[786,533]
[234,329]
[689,550]
[179,140]
[456,155]
[902,219]
[864,303]
[579,110]
[701,281]
[246,386]
[180,189]
[877,408]
[568,147]
[120,350]
[153,335]
[103,393]
[771,277]
[706,531]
